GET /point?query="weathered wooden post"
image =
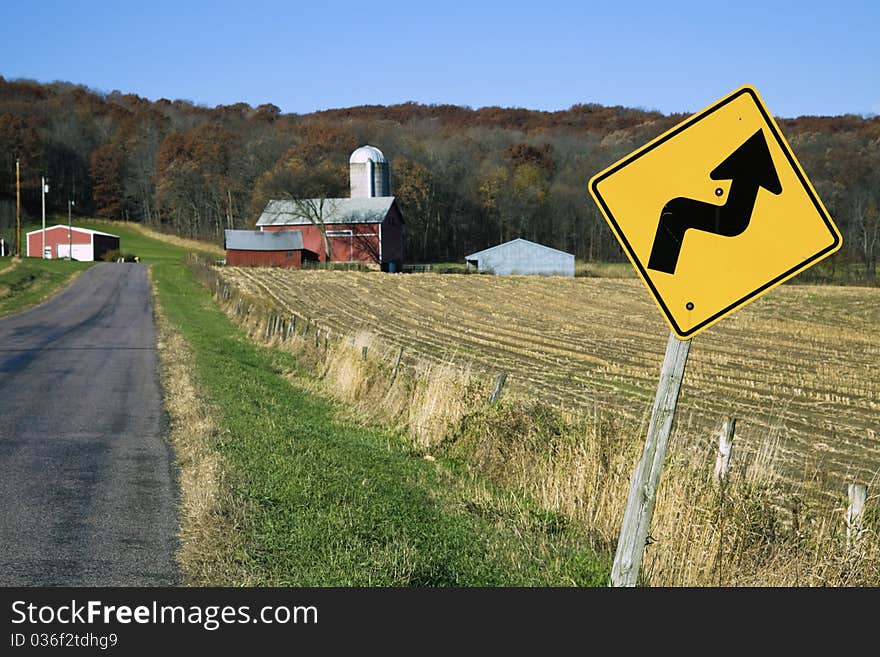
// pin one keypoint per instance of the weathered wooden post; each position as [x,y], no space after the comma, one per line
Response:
[722,466]
[858,494]
[396,367]
[685,279]
[500,380]
[291,329]
[725,448]
[268,324]
[643,489]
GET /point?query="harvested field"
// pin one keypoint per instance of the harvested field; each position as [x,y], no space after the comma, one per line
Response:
[798,366]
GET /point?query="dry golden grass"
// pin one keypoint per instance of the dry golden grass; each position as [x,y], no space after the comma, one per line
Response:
[799,364]
[190,245]
[206,516]
[575,455]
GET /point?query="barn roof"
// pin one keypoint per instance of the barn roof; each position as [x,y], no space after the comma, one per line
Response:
[367,210]
[76,228]
[501,247]
[257,240]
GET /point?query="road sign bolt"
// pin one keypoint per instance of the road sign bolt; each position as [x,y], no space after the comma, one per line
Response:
[718,191]
[689,305]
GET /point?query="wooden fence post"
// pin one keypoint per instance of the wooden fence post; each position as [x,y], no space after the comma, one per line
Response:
[500,380]
[292,326]
[725,448]
[396,367]
[643,489]
[858,494]
[268,324]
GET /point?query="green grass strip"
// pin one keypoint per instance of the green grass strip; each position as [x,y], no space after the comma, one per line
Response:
[328,503]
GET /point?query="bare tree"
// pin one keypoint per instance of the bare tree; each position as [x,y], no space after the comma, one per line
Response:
[315,211]
[865,227]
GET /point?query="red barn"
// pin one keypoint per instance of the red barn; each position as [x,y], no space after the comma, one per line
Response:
[266,249]
[87,245]
[367,229]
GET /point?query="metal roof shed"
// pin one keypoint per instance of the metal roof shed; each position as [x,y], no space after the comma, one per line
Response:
[521,256]
[81,244]
[266,249]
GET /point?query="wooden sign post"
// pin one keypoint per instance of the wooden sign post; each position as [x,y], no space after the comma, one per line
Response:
[643,489]
[713,213]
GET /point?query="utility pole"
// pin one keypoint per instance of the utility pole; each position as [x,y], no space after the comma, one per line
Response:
[17,210]
[69,232]
[45,189]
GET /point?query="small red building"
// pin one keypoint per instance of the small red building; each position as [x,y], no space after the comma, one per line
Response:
[87,245]
[366,229]
[266,249]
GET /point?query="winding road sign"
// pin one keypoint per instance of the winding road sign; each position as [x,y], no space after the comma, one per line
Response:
[715,212]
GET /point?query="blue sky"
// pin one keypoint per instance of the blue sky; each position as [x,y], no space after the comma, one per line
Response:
[804,57]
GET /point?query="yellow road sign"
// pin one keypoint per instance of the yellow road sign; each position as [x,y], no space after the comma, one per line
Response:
[715,212]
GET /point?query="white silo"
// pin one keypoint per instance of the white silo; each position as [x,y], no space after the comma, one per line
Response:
[369,173]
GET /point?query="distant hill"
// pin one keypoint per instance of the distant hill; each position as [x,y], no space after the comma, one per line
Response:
[465,178]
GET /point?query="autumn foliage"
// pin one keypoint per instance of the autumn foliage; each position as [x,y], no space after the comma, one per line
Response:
[465,178]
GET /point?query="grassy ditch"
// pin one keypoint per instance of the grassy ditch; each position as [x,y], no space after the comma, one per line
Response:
[29,281]
[763,527]
[318,501]
[279,488]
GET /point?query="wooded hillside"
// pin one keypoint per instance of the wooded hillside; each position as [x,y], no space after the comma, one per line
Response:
[465,178]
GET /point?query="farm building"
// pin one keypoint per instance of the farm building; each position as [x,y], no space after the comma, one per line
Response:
[266,249]
[367,227]
[87,245]
[521,256]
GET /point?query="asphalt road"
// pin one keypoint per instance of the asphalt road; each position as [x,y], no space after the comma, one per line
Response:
[87,481]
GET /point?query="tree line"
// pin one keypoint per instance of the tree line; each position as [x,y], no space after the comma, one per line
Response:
[465,178]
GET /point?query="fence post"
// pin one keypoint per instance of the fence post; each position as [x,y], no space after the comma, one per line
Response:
[396,367]
[722,466]
[858,494]
[291,328]
[268,324]
[725,448]
[500,380]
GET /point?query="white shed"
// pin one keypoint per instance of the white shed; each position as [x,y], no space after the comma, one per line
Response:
[521,256]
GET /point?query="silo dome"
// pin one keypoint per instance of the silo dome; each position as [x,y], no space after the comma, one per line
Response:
[367,154]
[369,173]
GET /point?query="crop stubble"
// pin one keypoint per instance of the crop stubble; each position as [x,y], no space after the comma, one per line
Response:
[798,366]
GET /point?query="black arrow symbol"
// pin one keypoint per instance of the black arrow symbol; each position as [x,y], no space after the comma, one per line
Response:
[750,167]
